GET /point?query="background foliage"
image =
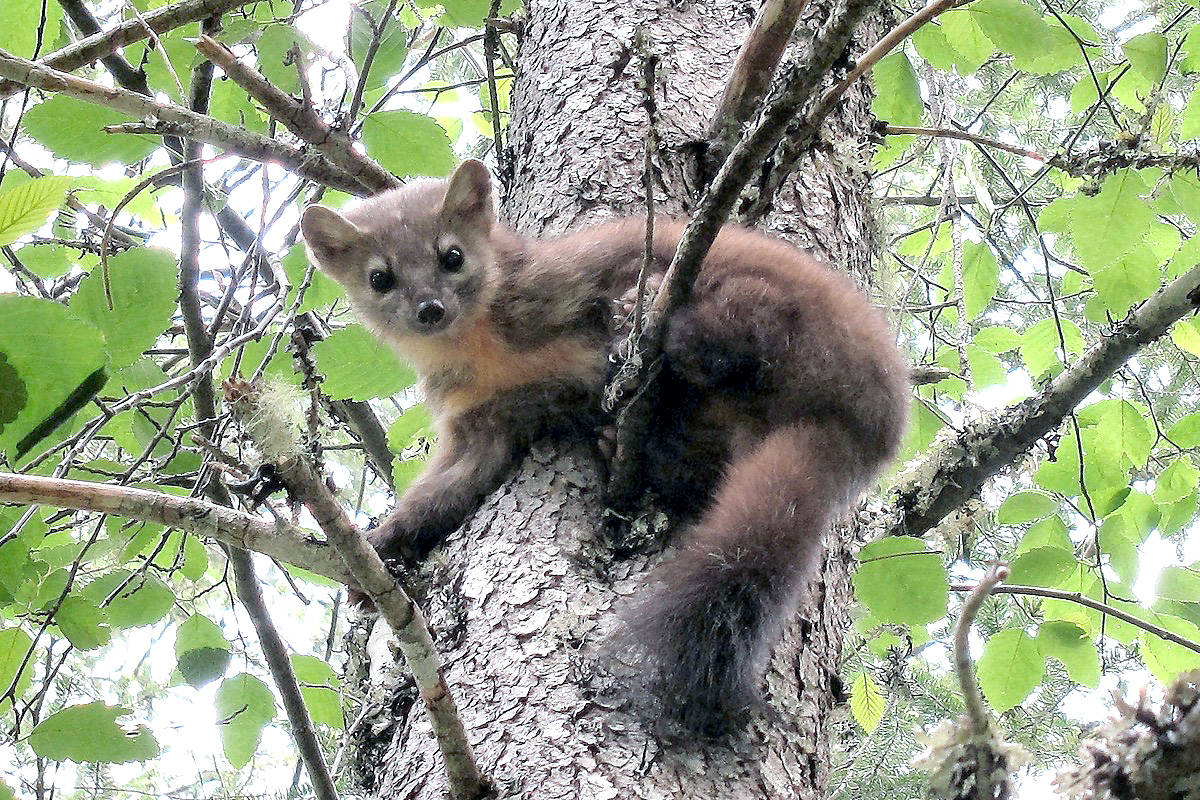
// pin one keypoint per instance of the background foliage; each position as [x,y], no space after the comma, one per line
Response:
[125,666]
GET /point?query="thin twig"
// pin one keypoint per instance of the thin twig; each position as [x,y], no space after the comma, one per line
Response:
[793,92]
[1081,599]
[965,667]
[491,38]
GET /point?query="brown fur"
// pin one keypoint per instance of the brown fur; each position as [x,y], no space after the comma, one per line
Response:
[783,396]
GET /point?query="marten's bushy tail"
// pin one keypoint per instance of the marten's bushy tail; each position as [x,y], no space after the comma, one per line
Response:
[717,607]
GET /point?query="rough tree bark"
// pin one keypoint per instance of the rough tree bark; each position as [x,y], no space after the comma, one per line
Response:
[522,596]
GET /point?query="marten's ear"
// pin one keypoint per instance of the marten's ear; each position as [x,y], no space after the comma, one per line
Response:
[330,236]
[469,197]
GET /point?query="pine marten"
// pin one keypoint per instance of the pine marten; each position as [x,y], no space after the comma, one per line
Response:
[783,396]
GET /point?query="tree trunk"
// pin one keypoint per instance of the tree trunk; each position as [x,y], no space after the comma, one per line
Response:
[522,596]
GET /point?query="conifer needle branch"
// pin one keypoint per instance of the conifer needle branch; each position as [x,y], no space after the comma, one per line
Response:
[369,573]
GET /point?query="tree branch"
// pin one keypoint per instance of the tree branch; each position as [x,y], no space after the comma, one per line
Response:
[171,119]
[953,472]
[965,667]
[300,118]
[751,76]
[800,137]
[100,45]
[794,90]
[278,540]
[115,63]
[403,615]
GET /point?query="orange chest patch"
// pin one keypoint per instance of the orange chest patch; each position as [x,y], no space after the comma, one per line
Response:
[476,364]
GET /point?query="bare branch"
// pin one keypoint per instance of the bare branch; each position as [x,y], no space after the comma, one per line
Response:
[953,472]
[794,90]
[102,44]
[371,575]
[800,137]
[950,133]
[300,118]
[751,76]
[198,517]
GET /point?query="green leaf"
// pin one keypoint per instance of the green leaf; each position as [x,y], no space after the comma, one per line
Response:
[408,144]
[1060,51]
[931,44]
[244,705]
[144,285]
[1147,54]
[357,366]
[1061,472]
[1177,481]
[54,354]
[1186,335]
[1130,280]
[981,276]
[274,61]
[1168,660]
[90,733]
[1186,431]
[201,650]
[1009,669]
[1041,566]
[321,292]
[1189,122]
[414,423]
[923,425]
[74,130]
[897,92]
[140,599]
[25,207]
[21,38]
[1123,429]
[1014,27]
[1114,222]
[900,581]
[1189,60]
[867,703]
[15,644]
[1026,507]
[321,689]
[46,260]
[1050,532]
[971,45]
[392,48]
[997,339]
[1071,645]
[1179,583]
[986,369]
[1040,344]
[83,622]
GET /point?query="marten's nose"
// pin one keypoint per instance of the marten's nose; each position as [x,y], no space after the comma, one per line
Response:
[430,312]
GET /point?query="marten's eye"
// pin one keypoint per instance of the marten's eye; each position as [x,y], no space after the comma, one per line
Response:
[452,259]
[382,281]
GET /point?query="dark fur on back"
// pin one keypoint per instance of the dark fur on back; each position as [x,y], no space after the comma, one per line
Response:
[783,397]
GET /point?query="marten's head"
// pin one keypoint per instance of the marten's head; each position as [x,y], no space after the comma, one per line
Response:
[415,261]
